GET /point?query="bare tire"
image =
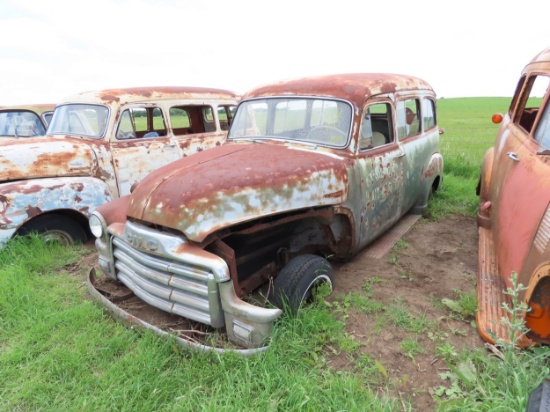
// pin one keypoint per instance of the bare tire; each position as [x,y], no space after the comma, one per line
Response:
[57,228]
[298,279]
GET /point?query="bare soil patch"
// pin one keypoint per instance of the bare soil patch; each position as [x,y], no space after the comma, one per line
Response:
[431,262]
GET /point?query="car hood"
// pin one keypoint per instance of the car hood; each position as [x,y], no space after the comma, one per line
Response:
[236,183]
[32,158]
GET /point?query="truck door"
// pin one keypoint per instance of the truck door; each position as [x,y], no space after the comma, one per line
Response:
[140,145]
[521,185]
[379,168]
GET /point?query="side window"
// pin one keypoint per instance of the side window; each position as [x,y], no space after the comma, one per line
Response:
[141,122]
[542,134]
[408,123]
[428,114]
[125,127]
[530,102]
[225,115]
[192,119]
[376,128]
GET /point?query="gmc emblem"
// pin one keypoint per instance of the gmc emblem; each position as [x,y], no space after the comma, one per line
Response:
[142,243]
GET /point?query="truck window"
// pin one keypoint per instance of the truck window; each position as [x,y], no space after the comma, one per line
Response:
[428,114]
[376,127]
[408,123]
[530,101]
[192,119]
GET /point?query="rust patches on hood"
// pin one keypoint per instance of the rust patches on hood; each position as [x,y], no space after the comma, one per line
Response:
[45,157]
[234,183]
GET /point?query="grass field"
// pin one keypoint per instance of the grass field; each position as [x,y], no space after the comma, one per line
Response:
[60,352]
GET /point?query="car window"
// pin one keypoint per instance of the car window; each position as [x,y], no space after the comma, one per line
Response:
[83,119]
[192,119]
[530,101]
[141,122]
[21,124]
[428,114]
[376,127]
[408,120]
[325,122]
[225,115]
[542,134]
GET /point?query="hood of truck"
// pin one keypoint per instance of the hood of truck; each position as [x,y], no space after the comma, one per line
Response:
[235,183]
[47,156]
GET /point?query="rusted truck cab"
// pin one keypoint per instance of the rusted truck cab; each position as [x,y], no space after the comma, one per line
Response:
[312,168]
[97,146]
[514,212]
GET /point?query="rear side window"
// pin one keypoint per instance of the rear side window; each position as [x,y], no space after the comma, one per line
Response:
[408,118]
[192,119]
[428,114]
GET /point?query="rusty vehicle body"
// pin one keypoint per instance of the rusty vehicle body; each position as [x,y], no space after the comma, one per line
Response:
[25,120]
[514,212]
[97,146]
[312,167]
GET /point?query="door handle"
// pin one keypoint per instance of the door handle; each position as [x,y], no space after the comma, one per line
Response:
[513,155]
[171,145]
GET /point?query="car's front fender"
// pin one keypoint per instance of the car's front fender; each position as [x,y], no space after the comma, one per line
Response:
[23,200]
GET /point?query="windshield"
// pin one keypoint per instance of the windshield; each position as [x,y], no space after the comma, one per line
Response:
[21,124]
[307,120]
[80,119]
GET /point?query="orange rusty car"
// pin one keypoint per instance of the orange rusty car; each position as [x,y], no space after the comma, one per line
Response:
[514,213]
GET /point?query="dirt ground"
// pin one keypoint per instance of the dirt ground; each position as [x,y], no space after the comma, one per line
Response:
[431,262]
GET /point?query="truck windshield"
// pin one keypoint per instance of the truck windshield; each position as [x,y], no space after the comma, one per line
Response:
[79,119]
[22,123]
[306,120]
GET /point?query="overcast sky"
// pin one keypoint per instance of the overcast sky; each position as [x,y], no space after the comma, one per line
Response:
[55,48]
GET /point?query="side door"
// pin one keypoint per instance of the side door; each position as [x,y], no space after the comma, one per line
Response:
[379,169]
[141,143]
[418,136]
[196,128]
[520,192]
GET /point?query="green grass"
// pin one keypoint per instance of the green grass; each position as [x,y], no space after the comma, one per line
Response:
[60,352]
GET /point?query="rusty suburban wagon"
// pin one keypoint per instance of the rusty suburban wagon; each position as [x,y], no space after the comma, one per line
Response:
[313,168]
[25,120]
[514,214]
[97,146]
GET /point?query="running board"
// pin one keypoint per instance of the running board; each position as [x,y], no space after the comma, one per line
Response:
[491,296]
[384,243]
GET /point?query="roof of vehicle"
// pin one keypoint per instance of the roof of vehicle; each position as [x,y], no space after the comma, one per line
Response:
[543,56]
[354,87]
[37,108]
[139,94]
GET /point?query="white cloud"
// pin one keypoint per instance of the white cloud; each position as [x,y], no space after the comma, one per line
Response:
[49,50]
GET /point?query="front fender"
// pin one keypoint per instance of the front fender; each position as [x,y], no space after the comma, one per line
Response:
[23,200]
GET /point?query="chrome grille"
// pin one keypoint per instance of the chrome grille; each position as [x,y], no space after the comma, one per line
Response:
[173,286]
